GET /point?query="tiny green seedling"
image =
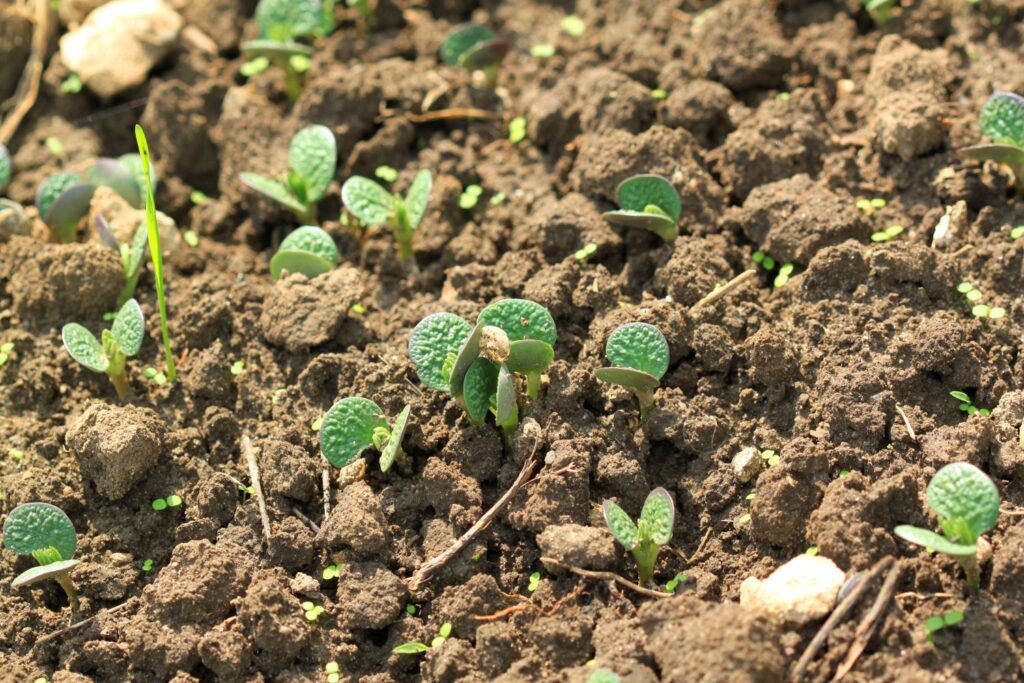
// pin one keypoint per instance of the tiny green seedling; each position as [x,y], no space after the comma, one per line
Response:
[1002,120]
[767,262]
[171,501]
[584,253]
[16,454]
[638,353]
[604,675]
[147,565]
[869,206]
[281,23]
[155,376]
[333,671]
[650,202]
[44,532]
[470,196]
[543,51]
[517,130]
[373,205]
[770,458]
[659,94]
[6,350]
[115,346]
[63,199]
[967,504]
[132,255]
[644,538]
[311,611]
[888,235]
[312,158]
[307,250]
[476,48]
[6,167]
[354,424]
[237,368]
[978,308]
[880,11]
[331,571]
[933,625]
[1017,232]
[388,174]
[676,581]
[764,260]
[534,582]
[573,25]
[967,406]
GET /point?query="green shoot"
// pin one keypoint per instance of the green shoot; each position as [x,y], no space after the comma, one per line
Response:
[388,174]
[333,671]
[6,167]
[171,501]
[933,625]
[44,532]
[543,51]
[476,48]
[573,25]
[639,356]
[644,538]
[967,504]
[534,582]
[147,565]
[158,378]
[770,457]
[331,571]
[132,255]
[354,424]
[373,205]
[764,260]
[979,309]
[517,130]
[154,251]
[880,11]
[888,235]
[307,250]
[237,368]
[281,23]
[1002,119]
[967,406]
[6,349]
[312,158]
[414,648]
[675,582]
[311,611]
[470,196]
[604,675]
[649,202]
[869,206]
[1017,232]
[584,253]
[659,94]
[111,351]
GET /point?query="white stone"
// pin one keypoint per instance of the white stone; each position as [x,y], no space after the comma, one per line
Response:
[800,591]
[746,464]
[119,43]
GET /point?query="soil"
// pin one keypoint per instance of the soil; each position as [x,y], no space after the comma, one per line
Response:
[780,115]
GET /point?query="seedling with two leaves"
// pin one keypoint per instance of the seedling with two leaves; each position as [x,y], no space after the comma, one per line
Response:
[132,255]
[477,364]
[373,205]
[934,624]
[44,532]
[650,202]
[967,504]
[1002,120]
[967,406]
[111,351]
[415,648]
[638,354]
[354,424]
[307,250]
[651,531]
[476,48]
[281,23]
[313,158]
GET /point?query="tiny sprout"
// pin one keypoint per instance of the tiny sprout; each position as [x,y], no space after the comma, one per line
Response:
[1017,232]
[410,608]
[315,424]
[933,625]
[331,571]
[307,250]
[191,238]
[280,23]
[675,582]
[764,260]
[413,648]
[357,309]
[354,424]
[158,378]
[880,11]
[647,201]
[639,356]
[333,671]
[785,272]
[887,235]
[171,501]
[967,406]
[238,367]
[517,130]
[604,675]
[584,253]
[312,158]
[770,457]
[278,394]
[6,167]
[1002,119]
[644,538]
[869,206]
[783,96]
[967,504]
[386,173]
[498,199]
[542,51]
[71,85]
[131,255]
[254,66]
[812,551]
[476,47]
[658,94]
[470,196]
[311,611]
[119,343]
[534,582]
[373,205]
[147,565]
[44,532]
[55,146]
[16,454]
[6,349]
[573,25]
[198,197]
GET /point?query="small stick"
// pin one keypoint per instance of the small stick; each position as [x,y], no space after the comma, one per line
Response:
[724,289]
[870,623]
[310,523]
[28,86]
[254,474]
[502,613]
[459,113]
[67,629]
[325,481]
[700,547]
[838,614]
[606,576]
[906,421]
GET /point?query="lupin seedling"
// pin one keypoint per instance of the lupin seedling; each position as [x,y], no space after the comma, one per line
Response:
[115,346]
[476,48]
[132,255]
[650,202]
[354,424]
[639,356]
[1002,120]
[307,250]
[281,23]
[373,205]
[967,504]
[44,532]
[644,538]
[313,158]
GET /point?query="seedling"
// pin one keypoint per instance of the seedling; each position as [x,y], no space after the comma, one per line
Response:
[1017,232]
[645,538]
[770,458]
[354,424]
[443,634]
[307,250]
[158,378]
[6,349]
[171,501]
[543,51]
[373,205]
[584,253]
[44,532]
[764,260]
[649,202]
[675,582]
[312,158]
[470,196]
[410,609]
[767,262]
[6,167]
[933,625]
[869,206]
[604,676]
[476,48]
[311,611]
[888,235]
[1002,120]
[978,308]
[115,346]
[638,354]
[147,565]
[16,454]
[534,582]
[517,130]
[237,368]
[63,199]
[880,11]
[281,23]
[573,25]
[333,671]
[967,406]
[967,504]
[132,255]
[388,174]
[331,571]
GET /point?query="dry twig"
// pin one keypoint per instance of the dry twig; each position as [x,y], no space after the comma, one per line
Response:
[869,624]
[254,475]
[906,422]
[724,289]
[310,523]
[447,114]
[79,624]
[28,87]
[606,576]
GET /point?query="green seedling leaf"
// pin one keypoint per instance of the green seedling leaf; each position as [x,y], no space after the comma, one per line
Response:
[573,25]
[303,262]
[480,386]
[53,570]
[933,541]
[529,355]
[604,676]
[117,176]
[658,516]
[63,199]
[313,154]
[314,240]
[649,202]
[629,378]
[1000,153]
[485,54]
[367,200]
[1002,118]
[128,328]
[6,167]
[84,347]
[272,50]
[411,648]
[32,527]
[433,340]
[273,189]
[417,198]
[620,524]
[347,429]
[464,359]
[307,250]
[394,444]
[286,19]
[462,40]
[388,174]
[966,501]
[639,346]
[521,319]
[506,409]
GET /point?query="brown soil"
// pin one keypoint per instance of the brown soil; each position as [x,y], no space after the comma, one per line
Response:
[780,115]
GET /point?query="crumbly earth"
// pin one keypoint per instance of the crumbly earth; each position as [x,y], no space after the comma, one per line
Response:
[779,116]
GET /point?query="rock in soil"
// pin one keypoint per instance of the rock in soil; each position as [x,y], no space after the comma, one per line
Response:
[802,590]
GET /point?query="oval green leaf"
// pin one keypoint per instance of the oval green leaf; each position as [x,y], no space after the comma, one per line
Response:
[303,262]
[54,570]
[933,541]
[479,388]
[432,340]
[463,38]
[51,187]
[963,494]
[367,200]
[658,515]
[128,328]
[665,228]
[529,355]
[387,456]
[117,176]
[37,526]
[521,319]
[347,429]
[639,346]
[133,162]
[1002,118]
[84,347]
[466,356]
[6,167]
[273,189]
[1001,154]
[619,523]
[282,20]
[648,189]
[418,197]
[314,240]
[313,154]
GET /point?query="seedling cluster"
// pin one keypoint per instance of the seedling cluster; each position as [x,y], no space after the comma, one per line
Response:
[768,263]
[638,353]
[651,531]
[281,24]
[967,505]
[978,308]
[354,424]
[650,202]
[1002,119]
[373,205]
[414,648]
[476,48]
[108,354]
[967,406]
[869,206]
[307,250]
[312,160]
[311,611]
[44,532]
[171,501]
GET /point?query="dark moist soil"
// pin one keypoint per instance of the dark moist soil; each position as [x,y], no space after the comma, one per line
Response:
[779,117]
